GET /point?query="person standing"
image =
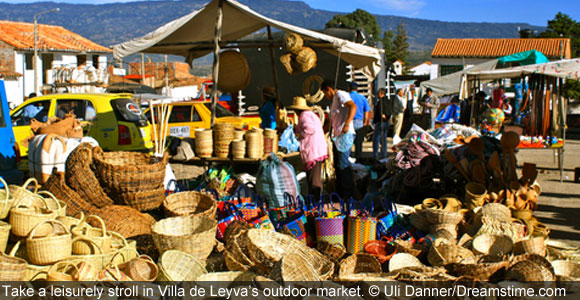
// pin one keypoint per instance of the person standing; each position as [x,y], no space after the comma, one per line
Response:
[430,104]
[313,147]
[342,111]
[268,110]
[382,113]
[398,112]
[361,119]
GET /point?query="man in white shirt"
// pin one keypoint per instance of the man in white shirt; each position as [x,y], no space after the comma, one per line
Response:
[342,111]
[399,106]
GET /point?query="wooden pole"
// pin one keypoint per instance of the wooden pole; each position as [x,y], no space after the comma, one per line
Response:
[216,58]
[471,122]
[274,73]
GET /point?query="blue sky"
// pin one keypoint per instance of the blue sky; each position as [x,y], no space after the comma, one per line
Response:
[535,12]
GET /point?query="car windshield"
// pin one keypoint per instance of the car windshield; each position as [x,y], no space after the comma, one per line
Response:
[220,111]
[127,110]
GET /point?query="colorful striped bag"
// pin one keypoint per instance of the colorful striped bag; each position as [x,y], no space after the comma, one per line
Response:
[227,213]
[274,178]
[296,222]
[330,222]
[362,227]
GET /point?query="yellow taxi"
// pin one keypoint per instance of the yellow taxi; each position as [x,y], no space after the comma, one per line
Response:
[114,120]
[186,116]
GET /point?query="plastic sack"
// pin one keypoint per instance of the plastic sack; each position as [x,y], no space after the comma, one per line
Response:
[274,178]
[344,141]
[288,140]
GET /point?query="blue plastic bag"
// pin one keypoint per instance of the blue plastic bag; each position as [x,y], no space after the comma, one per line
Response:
[288,140]
[344,141]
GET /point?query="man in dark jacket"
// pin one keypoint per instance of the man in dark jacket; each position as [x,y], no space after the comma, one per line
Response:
[382,113]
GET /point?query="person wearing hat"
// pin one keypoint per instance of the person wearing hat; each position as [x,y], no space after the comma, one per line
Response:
[361,118]
[313,147]
[268,110]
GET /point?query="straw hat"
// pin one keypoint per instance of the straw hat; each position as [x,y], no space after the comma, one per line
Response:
[299,103]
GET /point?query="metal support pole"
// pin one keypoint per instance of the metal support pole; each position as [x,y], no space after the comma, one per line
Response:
[142,68]
[216,58]
[274,73]
[35,58]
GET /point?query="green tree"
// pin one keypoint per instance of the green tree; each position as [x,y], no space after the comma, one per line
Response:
[401,45]
[388,45]
[564,26]
[358,18]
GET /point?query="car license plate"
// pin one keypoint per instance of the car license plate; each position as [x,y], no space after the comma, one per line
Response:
[179,131]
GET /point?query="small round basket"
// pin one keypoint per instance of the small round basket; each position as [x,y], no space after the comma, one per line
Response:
[234,72]
[497,211]
[403,260]
[305,59]
[203,142]
[533,245]
[445,254]
[294,268]
[190,203]
[99,236]
[12,268]
[439,217]
[24,218]
[566,268]
[177,266]
[4,235]
[490,244]
[293,43]
[45,250]
[359,263]
[54,204]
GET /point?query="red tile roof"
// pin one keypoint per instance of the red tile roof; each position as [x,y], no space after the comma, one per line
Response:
[20,35]
[9,74]
[552,48]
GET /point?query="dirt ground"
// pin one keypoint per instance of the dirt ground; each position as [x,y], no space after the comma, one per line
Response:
[559,203]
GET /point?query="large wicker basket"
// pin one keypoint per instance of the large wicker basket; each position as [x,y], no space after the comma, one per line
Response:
[131,178]
[190,203]
[234,72]
[56,184]
[45,250]
[127,221]
[175,265]
[194,235]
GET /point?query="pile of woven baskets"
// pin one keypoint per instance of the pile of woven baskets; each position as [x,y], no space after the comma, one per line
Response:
[225,141]
[298,59]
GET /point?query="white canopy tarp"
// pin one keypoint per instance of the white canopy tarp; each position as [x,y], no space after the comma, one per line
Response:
[450,84]
[191,36]
[568,69]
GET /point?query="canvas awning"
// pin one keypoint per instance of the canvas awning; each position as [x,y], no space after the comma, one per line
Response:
[524,58]
[450,84]
[191,36]
[567,69]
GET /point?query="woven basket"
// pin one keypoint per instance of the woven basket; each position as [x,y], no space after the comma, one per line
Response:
[12,268]
[402,246]
[141,268]
[6,201]
[266,248]
[477,271]
[190,203]
[450,202]
[566,268]
[305,60]
[254,147]
[294,267]
[4,235]
[439,217]
[234,72]
[56,184]
[54,204]
[403,260]
[489,244]
[236,237]
[222,149]
[233,264]
[22,195]
[238,149]
[286,61]
[49,249]
[194,235]
[179,266]
[444,232]
[81,178]
[24,219]
[223,131]
[474,195]
[522,214]
[359,263]
[124,250]
[97,259]
[71,222]
[61,271]
[497,211]
[293,42]
[445,254]
[419,220]
[334,252]
[212,278]
[127,221]
[130,177]
[203,142]
[99,236]
[534,245]
[529,271]
[239,134]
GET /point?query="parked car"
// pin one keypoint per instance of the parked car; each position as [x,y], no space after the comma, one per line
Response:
[186,116]
[114,120]
[9,154]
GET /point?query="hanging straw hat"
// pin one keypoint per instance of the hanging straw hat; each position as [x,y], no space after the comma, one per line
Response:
[299,103]
[268,91]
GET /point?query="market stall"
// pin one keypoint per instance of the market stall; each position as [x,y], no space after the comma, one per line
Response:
[543,108]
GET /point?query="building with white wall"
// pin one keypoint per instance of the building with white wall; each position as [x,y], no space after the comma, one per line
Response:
[60,51]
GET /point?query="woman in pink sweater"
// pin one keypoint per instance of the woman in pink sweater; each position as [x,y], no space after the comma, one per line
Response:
[313,147]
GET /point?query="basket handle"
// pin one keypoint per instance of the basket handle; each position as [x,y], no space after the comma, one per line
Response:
[118,235]
[7,192]
[30,180]
[65,263]
[103,227]
[53,222]
[91,242]
[51,196]
[14,249]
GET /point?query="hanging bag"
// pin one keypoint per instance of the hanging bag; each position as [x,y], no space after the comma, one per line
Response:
[262,221]
[386,219]
[362,227]
[295,223]
[274,178]
[330,223]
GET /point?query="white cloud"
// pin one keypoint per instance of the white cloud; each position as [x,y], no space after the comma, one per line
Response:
[411,7]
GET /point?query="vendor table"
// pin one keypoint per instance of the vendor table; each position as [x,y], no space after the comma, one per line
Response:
[207,162]
[558,151]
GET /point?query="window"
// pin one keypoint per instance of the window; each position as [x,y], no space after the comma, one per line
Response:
[81,60]
[82,109]
[196,116]
[96,61]
[448,69]
[180,114]
[28,58]
[37,110]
